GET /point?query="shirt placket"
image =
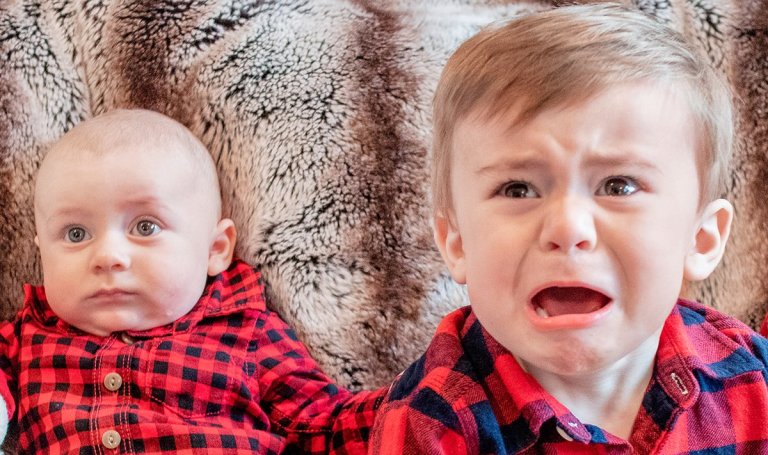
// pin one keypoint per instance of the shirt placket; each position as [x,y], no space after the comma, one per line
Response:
[112,378]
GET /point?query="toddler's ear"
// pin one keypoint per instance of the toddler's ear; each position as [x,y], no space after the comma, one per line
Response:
[448,240]
[222,247]
[709,244]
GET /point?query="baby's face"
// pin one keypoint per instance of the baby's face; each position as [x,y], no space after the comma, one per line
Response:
[124,237]
[572,231]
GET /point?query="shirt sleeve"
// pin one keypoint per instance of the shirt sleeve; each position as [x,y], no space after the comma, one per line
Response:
[9,354]
[401,430]
[759,345]
[303,403]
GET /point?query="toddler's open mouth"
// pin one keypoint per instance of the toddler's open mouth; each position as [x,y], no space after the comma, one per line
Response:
[559,301]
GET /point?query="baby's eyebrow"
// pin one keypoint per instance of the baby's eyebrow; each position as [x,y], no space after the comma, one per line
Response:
[66,212]
[145,201]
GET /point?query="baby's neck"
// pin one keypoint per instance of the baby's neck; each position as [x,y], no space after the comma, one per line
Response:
[609,398]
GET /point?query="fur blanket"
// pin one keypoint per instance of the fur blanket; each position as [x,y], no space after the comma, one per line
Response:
[318,115]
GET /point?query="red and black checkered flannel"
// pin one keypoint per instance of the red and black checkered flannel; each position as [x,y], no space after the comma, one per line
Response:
[468,395]
[228,377]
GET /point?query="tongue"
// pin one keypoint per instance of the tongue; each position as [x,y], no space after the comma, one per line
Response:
[559,301]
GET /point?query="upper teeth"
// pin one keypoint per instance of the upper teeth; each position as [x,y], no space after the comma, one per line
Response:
[541,312]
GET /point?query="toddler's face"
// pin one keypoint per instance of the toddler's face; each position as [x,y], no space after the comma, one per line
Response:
[124,237]
[572,231]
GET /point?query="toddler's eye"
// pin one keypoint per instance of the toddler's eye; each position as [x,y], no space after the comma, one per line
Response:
[517,190]
[77,234]
[146,228]
[618,186]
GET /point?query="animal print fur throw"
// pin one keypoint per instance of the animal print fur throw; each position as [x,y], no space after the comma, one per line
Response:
[317,113]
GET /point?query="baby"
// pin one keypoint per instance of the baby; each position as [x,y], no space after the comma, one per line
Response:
[147,336]
[579,157]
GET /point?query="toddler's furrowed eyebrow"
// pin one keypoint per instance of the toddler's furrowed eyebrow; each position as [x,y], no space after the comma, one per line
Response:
[511,164]
[627,161]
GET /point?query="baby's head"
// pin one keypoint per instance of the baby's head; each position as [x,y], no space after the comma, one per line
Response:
[128,222]
[579,155]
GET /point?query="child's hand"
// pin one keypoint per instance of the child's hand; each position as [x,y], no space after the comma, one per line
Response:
[3,422]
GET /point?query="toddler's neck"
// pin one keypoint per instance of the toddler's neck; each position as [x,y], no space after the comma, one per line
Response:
[609,398]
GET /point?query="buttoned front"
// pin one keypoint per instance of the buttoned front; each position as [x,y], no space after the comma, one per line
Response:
[113,381]
[229,377]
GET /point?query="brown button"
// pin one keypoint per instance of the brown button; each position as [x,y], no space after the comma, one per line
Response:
[113,381]
[563,434]
[127,339]
[110,439]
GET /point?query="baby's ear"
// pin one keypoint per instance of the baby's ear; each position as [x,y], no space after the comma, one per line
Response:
[709,244]
[222,247]
[448,240]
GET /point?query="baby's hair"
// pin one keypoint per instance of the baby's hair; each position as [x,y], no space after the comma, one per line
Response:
[565,56]
[102,134]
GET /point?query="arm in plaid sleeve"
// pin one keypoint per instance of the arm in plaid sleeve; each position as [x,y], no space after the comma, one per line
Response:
[402,431]
[302,402]
[417,419]
[9,350]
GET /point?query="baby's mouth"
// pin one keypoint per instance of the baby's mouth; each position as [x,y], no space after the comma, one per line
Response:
[558,301]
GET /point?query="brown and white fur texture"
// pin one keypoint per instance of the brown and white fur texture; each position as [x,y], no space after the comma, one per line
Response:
[317,113]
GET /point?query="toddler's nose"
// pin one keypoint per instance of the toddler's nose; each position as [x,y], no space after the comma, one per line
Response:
[569,225]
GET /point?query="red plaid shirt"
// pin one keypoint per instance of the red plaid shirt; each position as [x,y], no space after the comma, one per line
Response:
[228,377]
[468,395]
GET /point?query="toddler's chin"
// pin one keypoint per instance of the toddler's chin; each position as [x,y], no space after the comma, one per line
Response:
[577,361]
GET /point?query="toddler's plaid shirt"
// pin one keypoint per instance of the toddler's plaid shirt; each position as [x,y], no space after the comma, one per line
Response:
[468,395]
[228,377]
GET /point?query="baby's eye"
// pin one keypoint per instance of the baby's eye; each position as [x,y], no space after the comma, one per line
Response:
[518,190]
[618,186]
[146,228]
[76,234]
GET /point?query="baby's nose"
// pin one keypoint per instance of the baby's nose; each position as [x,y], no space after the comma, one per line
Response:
[111,254]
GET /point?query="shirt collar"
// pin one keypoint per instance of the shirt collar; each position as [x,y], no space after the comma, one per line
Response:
[529,400]
[238,288]
[695,349]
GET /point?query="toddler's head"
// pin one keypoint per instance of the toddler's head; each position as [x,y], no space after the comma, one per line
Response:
[567,55]
[578,157]
[128,221]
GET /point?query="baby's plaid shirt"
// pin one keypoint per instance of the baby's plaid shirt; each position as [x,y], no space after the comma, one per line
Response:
[468,395]
[228,377]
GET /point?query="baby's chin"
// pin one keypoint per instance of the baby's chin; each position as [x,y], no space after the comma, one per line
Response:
[120,321]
